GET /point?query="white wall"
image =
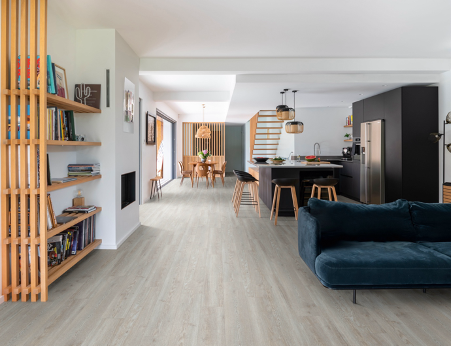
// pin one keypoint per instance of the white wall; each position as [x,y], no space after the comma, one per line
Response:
[95,54]
[323,125]
[149,152]
[126,144]
[444,107]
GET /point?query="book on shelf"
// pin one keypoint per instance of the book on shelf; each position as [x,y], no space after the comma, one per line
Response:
[62,180]
[18,122]
[60,125]
[84,169]
[69,242]
[38,67]
[80,209]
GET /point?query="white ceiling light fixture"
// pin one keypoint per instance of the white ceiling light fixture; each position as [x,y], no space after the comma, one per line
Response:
[203,132]
[294,126]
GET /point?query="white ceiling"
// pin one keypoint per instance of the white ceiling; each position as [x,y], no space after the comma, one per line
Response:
[191,51]
[284,28]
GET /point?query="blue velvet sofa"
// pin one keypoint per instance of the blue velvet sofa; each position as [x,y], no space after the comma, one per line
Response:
[395,245]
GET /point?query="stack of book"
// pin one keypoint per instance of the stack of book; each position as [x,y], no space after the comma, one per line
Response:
[80,209]
[84,169]
[349,120]
[63,180]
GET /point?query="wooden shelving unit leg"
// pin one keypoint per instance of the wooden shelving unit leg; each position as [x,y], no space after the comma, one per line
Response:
[22,276]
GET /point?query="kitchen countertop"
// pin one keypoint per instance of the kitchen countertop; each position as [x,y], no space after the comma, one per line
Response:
[292,164]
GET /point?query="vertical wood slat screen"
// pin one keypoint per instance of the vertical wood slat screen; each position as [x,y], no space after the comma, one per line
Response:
[192,145]
[19,189]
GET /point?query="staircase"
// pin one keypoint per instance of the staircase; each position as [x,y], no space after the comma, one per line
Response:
[265,131]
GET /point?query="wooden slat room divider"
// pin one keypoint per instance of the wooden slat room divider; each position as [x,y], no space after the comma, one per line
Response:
[192,145]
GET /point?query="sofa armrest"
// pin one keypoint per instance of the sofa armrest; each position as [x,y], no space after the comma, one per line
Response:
[309,237]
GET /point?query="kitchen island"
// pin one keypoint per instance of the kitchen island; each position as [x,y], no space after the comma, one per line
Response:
[290,169]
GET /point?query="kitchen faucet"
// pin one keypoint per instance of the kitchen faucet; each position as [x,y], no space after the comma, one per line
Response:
[314,149]
[289,155]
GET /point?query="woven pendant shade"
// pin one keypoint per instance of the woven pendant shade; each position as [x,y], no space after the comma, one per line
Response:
[286,113]
[294,127]
[203,132]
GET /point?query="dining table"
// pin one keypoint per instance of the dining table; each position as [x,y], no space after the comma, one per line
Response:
[211,164]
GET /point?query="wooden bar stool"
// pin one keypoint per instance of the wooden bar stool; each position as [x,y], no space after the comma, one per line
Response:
[251,197]
[284,183]
[325,183]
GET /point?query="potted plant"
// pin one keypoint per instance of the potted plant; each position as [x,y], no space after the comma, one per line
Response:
[203,155]
[348,136]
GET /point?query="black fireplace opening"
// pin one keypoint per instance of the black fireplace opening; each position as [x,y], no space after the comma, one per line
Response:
[128,189]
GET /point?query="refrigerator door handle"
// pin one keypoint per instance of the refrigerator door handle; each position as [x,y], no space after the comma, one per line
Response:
[367,160]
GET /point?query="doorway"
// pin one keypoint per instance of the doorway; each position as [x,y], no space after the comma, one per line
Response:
[166,146]
[234,150]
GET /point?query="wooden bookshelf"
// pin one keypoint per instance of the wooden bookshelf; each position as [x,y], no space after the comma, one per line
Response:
[79,218]
[69,262]
[50,142]
[24,32]
[80,180]
[56,101]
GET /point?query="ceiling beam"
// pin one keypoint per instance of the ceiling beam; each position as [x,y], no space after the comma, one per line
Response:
[291,65]
[192,96]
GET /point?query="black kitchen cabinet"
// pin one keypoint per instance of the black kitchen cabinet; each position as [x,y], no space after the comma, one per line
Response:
[357,118]
[350,179]
[373,108]
[411,161]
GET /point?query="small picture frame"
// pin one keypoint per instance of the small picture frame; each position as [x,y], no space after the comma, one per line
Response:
[150,129]
[61,81]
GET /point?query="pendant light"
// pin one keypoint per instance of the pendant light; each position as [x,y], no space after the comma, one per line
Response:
[203,132]
[284,112]
[281,105]
[294,126]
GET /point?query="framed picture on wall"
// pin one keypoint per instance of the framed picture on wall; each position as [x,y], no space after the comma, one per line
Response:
[150,129]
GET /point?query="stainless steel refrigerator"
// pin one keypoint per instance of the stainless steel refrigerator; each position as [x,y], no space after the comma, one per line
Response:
[372,158]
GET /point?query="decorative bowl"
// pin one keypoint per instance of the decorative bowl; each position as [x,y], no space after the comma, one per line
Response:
[260,159]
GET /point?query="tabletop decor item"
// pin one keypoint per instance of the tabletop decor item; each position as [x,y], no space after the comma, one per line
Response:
[278,160]
[88,94]
[348,136]
[204,154]
[260,159]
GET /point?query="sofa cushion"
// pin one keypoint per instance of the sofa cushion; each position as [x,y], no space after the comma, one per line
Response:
[432,221]
[345,221]
[442,247]
[381,264]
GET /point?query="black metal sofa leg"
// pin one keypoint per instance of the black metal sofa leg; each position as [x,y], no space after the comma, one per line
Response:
[354,293]
[424,290]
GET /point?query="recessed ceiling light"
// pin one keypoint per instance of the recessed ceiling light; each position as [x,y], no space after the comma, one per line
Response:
[384,84]
[360,94]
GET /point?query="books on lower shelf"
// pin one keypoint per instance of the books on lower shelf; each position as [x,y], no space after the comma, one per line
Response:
[67,243]
[83,169]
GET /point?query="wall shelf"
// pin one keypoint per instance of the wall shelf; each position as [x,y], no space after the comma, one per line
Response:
[80,217]
[347,126]
[56,101]
[348,140]
[70,143]
[80,180]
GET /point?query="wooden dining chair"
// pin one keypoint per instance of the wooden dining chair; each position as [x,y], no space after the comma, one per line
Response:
[220,172]
[185,174]
[202,171]
[154,188]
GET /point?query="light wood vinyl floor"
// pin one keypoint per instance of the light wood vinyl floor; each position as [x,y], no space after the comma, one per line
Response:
[194,274]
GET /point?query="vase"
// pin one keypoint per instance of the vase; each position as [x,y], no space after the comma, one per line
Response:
[203,160]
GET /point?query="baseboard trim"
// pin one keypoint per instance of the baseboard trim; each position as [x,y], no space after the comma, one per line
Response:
[128,235]
[107,247]
[2,299]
